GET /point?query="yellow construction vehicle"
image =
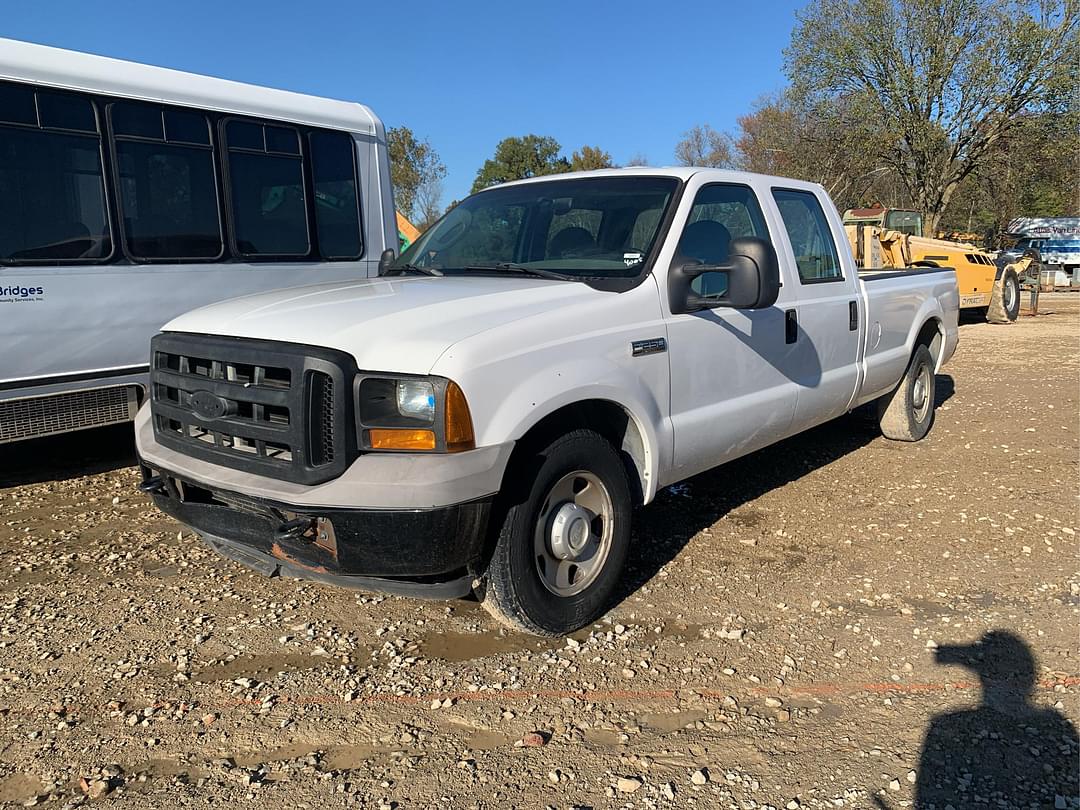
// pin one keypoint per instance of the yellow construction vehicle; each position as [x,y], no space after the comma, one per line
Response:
[406,231]
[893,238]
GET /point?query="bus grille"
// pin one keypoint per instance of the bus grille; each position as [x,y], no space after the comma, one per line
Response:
[270,408]
[73,410]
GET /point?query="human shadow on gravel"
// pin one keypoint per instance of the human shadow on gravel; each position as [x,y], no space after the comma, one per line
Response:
[1007,752]
[664,527]
[70,455]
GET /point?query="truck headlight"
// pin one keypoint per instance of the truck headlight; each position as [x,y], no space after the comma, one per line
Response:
[416,400]
[412,414]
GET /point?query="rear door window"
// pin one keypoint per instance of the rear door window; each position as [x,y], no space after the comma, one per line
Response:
[810,237]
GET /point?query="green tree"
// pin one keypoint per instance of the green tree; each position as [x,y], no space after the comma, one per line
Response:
[946,80]
[590,157]
[1032,171]
[830,141]
[518,158]
[415,169]
[702,145]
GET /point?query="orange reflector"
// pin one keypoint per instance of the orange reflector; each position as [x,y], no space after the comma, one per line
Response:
[397,439]
[459,430]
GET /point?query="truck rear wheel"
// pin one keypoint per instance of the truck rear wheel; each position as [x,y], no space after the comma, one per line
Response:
[1005,299]
[564,538]
[906,414]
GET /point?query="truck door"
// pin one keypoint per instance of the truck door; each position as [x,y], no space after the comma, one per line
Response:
[731,385]
[824,323]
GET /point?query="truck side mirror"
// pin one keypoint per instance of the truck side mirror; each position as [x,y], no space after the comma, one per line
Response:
[749,279]
[385,260]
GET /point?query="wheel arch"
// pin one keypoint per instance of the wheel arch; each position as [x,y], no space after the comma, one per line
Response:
[612,420]
[931,335]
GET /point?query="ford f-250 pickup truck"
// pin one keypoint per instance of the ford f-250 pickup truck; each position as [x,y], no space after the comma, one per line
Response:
[484,416]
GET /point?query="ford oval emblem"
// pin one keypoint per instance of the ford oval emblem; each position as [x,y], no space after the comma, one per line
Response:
[207,405]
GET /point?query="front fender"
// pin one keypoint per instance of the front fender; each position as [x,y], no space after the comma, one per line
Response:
[547,390]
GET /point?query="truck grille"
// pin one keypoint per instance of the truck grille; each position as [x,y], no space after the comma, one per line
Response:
[270,408]
[71,410]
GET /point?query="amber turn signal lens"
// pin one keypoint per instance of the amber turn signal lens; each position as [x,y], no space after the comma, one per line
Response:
[459,429]
[396,439]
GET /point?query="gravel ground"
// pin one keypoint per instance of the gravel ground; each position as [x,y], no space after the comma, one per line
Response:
[837,621]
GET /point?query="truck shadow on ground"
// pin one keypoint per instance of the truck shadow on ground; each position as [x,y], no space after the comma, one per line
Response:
[666,526]
[70,455]
[1005,752]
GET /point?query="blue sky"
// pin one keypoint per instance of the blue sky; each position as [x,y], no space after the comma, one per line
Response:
[629,76]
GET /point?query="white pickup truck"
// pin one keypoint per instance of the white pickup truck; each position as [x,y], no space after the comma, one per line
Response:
[484,416]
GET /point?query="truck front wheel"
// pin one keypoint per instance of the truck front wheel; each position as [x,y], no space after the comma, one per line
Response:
[906,414]
[564,537]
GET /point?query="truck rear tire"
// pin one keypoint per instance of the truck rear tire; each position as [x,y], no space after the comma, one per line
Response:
[906,414]
[563,540]
[1005,299]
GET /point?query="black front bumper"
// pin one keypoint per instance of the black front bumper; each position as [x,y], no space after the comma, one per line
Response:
[433,553]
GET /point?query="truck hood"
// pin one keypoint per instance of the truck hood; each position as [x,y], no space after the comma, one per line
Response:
[398,324]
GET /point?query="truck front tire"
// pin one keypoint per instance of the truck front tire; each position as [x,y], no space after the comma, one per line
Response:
[906,414]
[1005,299]
[563,539]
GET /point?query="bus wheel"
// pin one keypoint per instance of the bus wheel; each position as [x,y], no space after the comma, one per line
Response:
[1005,299]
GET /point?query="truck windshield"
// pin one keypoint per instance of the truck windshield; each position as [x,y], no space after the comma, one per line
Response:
[596,227]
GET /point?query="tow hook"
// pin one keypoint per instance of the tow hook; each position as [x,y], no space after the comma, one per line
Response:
[294,529]
[152,486]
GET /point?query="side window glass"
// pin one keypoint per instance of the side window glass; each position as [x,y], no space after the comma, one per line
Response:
[52,191]
[337,215]
[167,188]
[808,231]
[721,212]
[266,190]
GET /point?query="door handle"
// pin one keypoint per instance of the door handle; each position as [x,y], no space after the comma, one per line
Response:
[791,326]
[853,316]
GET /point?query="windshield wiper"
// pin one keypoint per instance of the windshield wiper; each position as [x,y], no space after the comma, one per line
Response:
[520,269]
[403,268]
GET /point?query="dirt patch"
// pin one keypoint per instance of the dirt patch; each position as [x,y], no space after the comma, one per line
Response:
[806,627]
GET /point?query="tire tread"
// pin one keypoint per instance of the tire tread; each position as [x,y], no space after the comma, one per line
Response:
[894,417]
[996,312]
[499,597]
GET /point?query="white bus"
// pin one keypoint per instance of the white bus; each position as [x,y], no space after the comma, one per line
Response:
[130,194]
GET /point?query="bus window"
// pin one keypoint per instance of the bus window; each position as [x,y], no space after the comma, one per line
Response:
[266,190]
[52,192]
[167,189]
[337,216]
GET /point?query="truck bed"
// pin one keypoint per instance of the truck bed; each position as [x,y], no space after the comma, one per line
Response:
[893,300]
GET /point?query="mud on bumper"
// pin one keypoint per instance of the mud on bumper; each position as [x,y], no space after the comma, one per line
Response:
[426,553]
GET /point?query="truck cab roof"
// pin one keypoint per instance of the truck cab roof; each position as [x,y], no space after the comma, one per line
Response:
[682,173]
